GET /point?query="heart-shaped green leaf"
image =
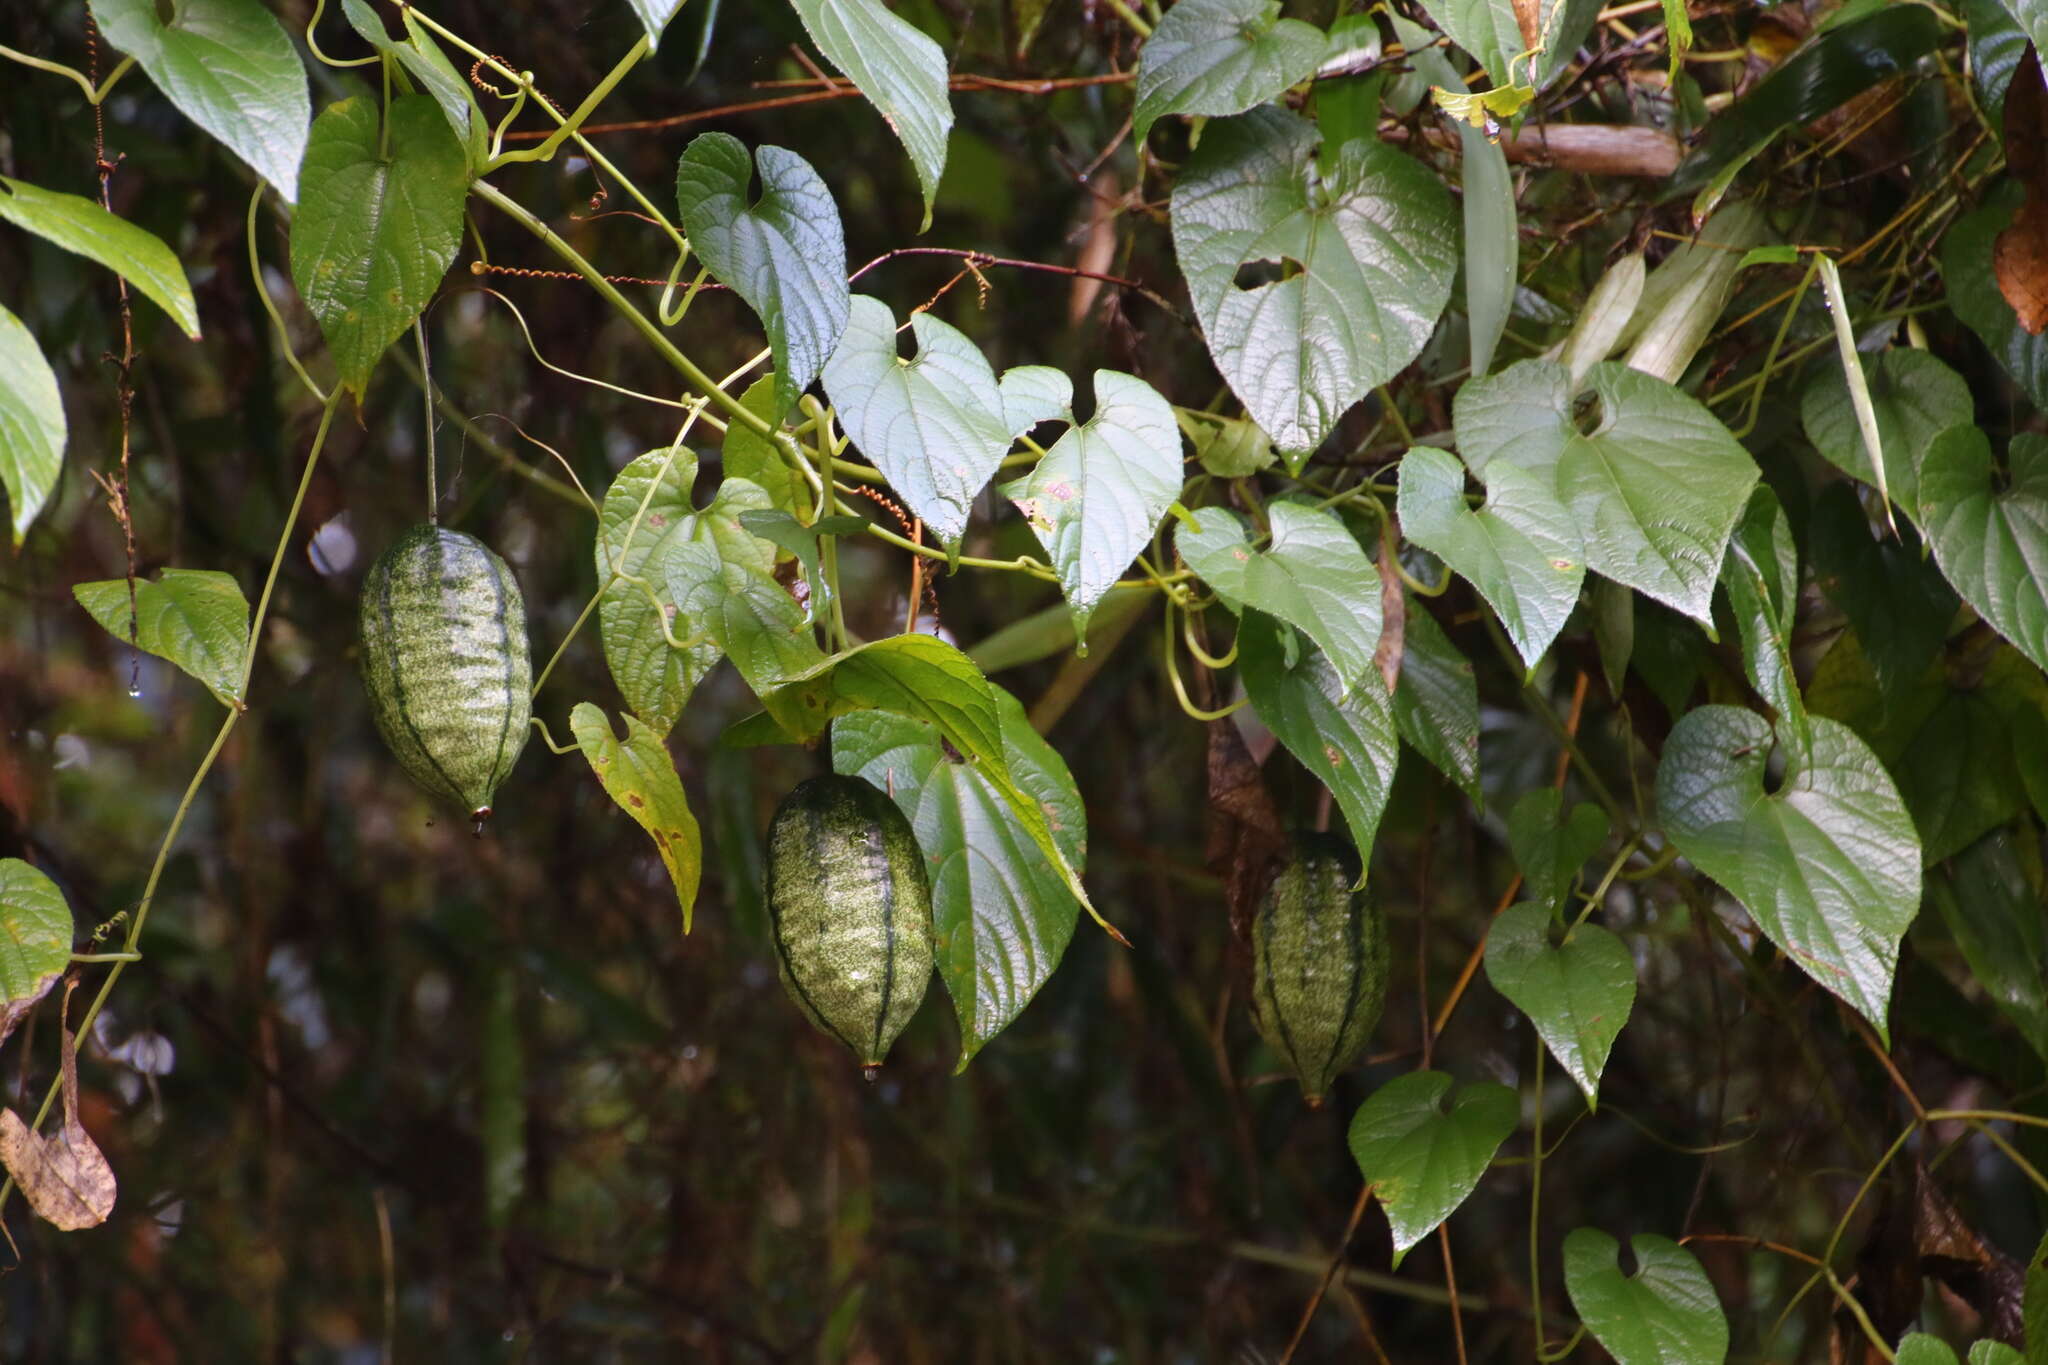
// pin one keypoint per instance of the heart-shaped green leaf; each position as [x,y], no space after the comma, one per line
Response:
[1915,398]
[1828,863]
[1421,1161]
[1992,544]
[377,226]
[1521,550]
[1436,701]
[1312,574]
[429,66]
[1550,846]
[1366,244]
[1346,738]
[35,940]
[1652,480]
[1095,497]
[1973,293]
[933,424]
[1491,31]
[230,67]
[1578,994]
[899,69]
[749,455]
[785,253]
[196,618]
[1034,394]
[747,614]
[1218,57]
[80,225]
[32,426]
[1664,1314]
[638,773]
[1001,913]
[647,512]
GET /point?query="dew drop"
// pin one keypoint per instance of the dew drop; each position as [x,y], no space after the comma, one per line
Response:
[870,1071]
[135,691]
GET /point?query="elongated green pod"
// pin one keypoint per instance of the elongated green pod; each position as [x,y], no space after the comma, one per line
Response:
[1319,962]
[850,903]
[446,663]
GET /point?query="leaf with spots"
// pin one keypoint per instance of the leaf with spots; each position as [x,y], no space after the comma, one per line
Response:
[638,773]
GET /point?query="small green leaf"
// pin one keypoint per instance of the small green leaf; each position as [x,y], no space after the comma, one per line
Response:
[1664,1314]
[1578,994]
[1228,447]
[79,225]
[747,614]
[1989,1352]
[654,16]
[377,227]
[1492,243]
[1551,847]
[1974,295]
[1914,397]
[1917,1348]
[1312,574]
[1827,863]
[1761,574]
[1034,394]
[1490,31]
[1096,496]
[1521,550]
[196,618]
[751,456]
[429,66]
[900,70]
[1996,919]
[32,426]
[230,67]
[934,424]
[1992,545]
[785,253]
[1216,57]
[1001,914]
[1436,701]
[35,940]
[638,773]
[1421,1161]
[1346,738]
[1652,480]
[1366,258]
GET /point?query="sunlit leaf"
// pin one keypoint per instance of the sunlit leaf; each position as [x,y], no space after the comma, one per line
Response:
[32,425]
[196,618]
[639,775]
[429,66]
[899,69]
[78,224]
[747,614]
[1217,57]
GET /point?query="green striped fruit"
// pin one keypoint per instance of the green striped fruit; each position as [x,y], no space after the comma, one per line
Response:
[1319,962]
[851,905]
[446,663]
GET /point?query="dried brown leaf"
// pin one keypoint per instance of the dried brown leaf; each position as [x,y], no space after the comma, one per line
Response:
[2019,258]
[64,1176]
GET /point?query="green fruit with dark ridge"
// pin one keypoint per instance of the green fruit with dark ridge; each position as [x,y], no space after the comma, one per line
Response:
[1319,962]
[446,663]
[850,902]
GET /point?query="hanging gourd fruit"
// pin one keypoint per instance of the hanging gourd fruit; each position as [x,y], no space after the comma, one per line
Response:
[1319,962]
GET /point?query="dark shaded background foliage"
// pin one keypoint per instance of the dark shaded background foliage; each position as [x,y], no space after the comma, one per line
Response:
[367,1007]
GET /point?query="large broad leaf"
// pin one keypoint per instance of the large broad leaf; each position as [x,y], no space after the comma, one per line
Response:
[1890,590]
[1992,542]
[1001,913]
[784,253]
[1915,398]
[1828,863]
[1973,293]
[379,221]
[1578,993]
[1095,497]
[747,614]
[1550,846]
[81,225]
[1996,918]
[1421,1161]
[1521,550]
[926,679]
[35,940]
[1652,480]
[1217,57]
[645,514]
[1436,701]
[428,65]
[1312,574]
[196,618]
[899,69]
[1345,737]
[1762,577]
[32,427]
[638,773]
[230,67]
[1664,1314]
[933,424]
[1366,244]
[1494,33]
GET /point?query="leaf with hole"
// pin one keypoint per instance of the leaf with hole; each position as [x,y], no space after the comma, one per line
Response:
[1421,1161]
[1827,862]
[784,253]
[196,618]
[1366,246]
[1990,535]
[1664,1314]
[1001,913]
[900,70]
[32,425]
[229,66]
[79,225]
[35,940]
[639,775]
[1578,993]
[1211,58]
[1096,496]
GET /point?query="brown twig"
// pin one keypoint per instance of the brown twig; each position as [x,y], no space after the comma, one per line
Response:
[1451,1286]
[1315,1300]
